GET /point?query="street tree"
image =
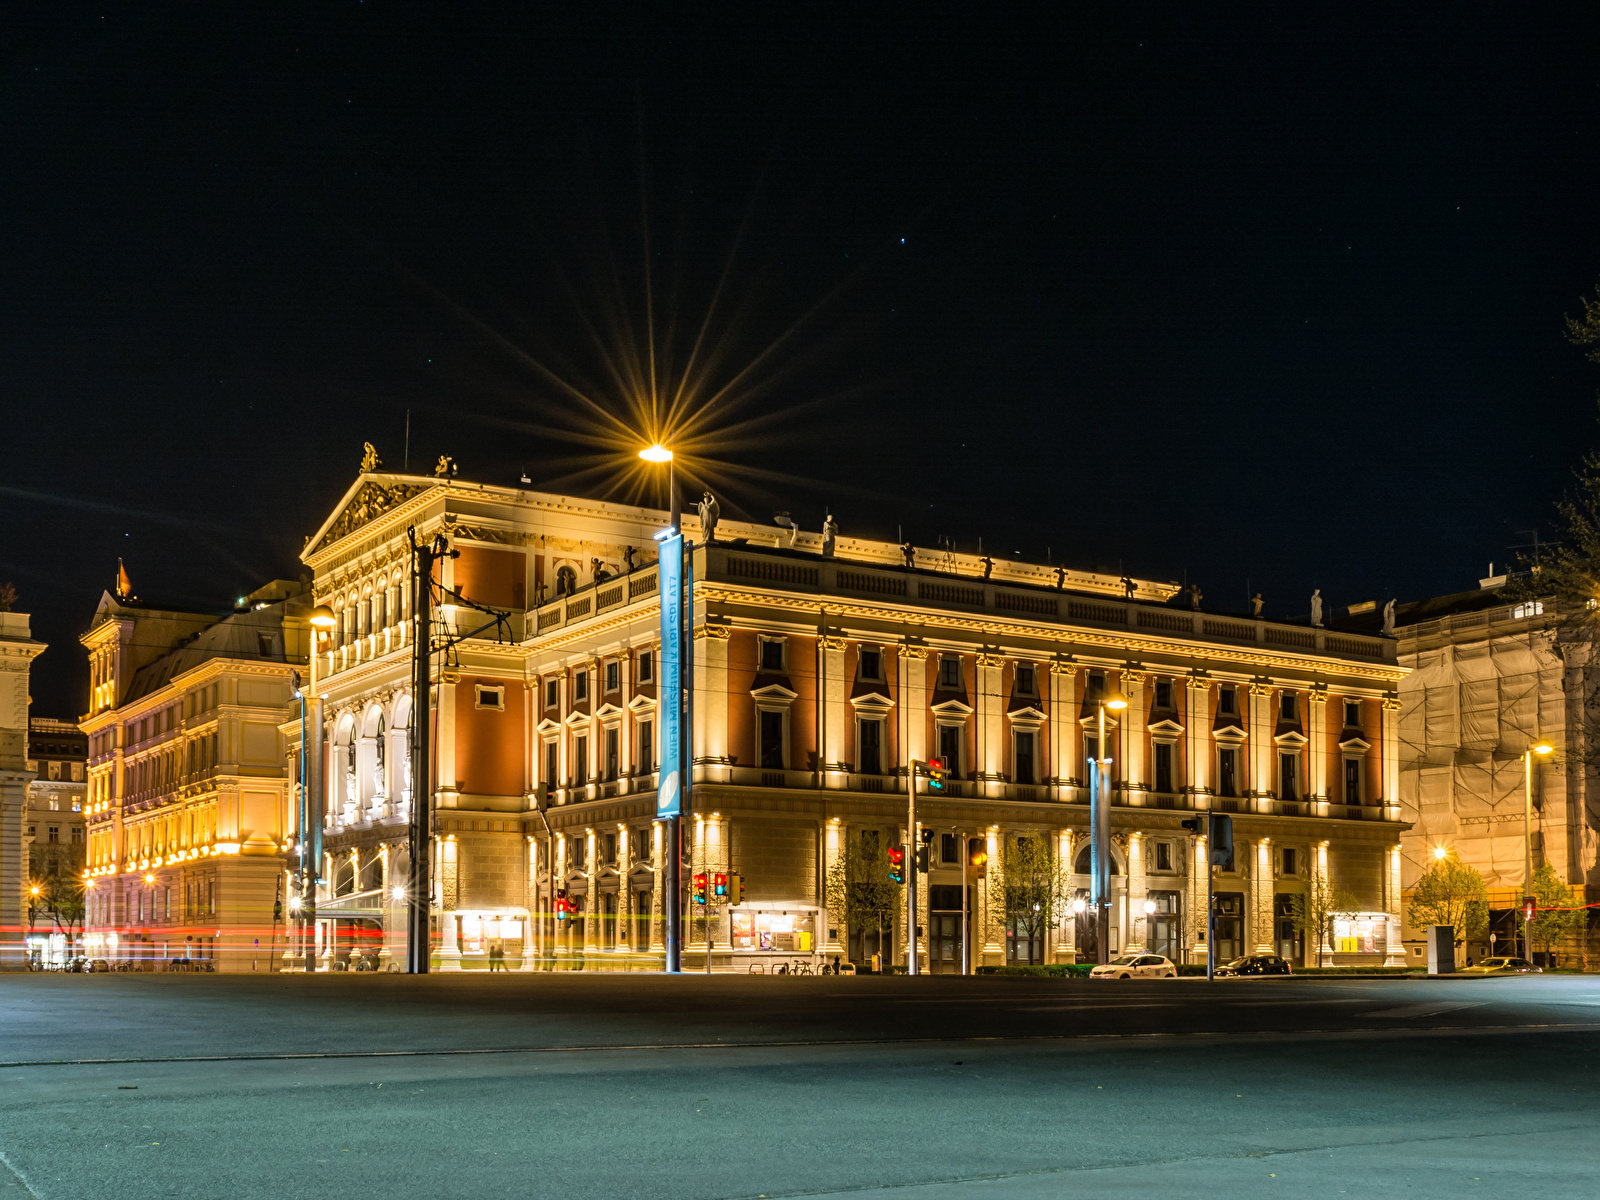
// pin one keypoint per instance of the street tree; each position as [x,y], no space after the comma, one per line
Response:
[1035,886]
[1451,893]
[1313,909]
[1559,915]
[860,890]
[63,898]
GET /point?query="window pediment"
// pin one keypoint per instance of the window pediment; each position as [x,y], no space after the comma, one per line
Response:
[548,726]
[1166,728]
[1093,721]
[608,711]
[642,704]
[872,702]
[1027,717]
[1229,735]
[577,720]
[951,708]
[775,693]
[1293,739]
[1355,745]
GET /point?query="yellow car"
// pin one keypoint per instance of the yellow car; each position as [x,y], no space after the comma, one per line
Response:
[1502,966]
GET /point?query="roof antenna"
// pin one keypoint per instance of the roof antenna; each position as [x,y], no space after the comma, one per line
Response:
[406,465]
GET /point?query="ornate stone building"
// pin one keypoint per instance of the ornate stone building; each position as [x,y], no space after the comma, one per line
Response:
[57,751]
[188,802]
[18,649]
[821,668]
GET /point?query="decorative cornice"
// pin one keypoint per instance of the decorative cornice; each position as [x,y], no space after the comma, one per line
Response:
[1391,703]
[995,630]
[1198,682]
[991,660]
[717,633]
[1064,668]
[911,652]
[835,644]
[1257,688]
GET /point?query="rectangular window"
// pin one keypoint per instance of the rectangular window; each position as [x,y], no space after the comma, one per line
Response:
[580,767]
[55,833]
[870,734]
[1022,748]
[772,655]
[613,753]
[1289,863]
[1095,686]
[491,697]
[1026,684]
[871,664]
[1091,749]
[772,739]
[1163,856]
[1227,772]
[950,673]
[1352,714]
[1352,781]
[1163,768]
[552,760]
[613,676]
[647,666]
[610,848]
[1164,693]
[580,685]
[647,747]
[950,739]
[1227,700]
[948,849]
[552,692]
[1289,776]
[1288,707]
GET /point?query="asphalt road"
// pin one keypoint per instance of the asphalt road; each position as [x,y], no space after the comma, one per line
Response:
[578,1086]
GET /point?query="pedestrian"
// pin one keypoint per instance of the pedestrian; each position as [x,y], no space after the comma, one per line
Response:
[497,954]
[835,964]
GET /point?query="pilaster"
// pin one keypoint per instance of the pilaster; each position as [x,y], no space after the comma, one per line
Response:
[991,725]
[1195,912]
[834,705]
[912,666]
[1197,732]
[1317,747]
[1395,951]
[1390,751]
[1260,786]
[1063,731]
[1138,887]
[1262,925]
[711,693]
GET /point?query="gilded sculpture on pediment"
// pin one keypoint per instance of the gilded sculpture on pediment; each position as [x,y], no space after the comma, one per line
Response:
[368,504]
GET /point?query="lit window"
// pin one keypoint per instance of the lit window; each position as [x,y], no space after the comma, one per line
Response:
[1531,608]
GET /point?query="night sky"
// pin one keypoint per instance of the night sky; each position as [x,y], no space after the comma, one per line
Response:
[1272,300]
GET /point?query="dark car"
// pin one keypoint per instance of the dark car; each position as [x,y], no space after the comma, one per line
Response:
[1256,964]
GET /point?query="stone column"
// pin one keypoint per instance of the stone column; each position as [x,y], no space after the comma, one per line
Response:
[1260,786]
[912,665]
[627,728]
[833,835]
[1063,731]
[1391,753]
[658,858]
[445,747]
[988,918]
[1395,951]
[1196,911]
[1136,779]
[591,899]
[1317,748]
[711,693]
[1067,923]
[834,712]
[1197,728]
[1138,887]
[1322,954]
[1263,932]
[990,705]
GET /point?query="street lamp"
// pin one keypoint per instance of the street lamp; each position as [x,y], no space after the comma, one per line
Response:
[1100,831]
[1541,748]
[672,797]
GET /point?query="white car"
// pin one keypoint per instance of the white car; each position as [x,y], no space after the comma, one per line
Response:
[1136,966]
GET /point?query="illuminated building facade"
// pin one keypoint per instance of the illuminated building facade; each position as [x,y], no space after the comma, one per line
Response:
[1488,678]
[187,803]
[57,751]
[821,668]
[18,649]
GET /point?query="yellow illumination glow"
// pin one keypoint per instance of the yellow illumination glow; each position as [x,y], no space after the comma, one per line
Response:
[656,454]
[1116,701]
[322,617]
[1542,748]
[149,878]
[1441,852]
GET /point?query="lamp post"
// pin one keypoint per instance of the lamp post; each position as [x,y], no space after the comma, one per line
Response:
[1100,831]
[1540,748]
[322,624]
[672,798]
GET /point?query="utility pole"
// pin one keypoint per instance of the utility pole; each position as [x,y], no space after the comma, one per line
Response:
[911,869]
[419,910]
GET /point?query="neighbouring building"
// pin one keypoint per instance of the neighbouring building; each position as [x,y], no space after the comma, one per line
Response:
[57,754]
[1489,677]
[188,799]
[18,649]
[822,666]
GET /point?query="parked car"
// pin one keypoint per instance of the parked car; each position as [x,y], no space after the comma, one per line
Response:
[1501,966]
[98,964]
[1256,964]
[1136,966]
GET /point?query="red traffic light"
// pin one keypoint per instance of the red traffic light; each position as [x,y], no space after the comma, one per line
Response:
[719,885]
[1530,908]
[936,774]
[700,888]
[897,863]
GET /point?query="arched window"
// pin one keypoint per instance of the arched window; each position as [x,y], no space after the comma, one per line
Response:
[566,581]
[1081,865]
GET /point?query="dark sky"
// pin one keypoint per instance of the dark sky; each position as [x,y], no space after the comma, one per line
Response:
[1274,298]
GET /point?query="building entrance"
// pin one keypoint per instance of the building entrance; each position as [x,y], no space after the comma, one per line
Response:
[1291,942]
[1166,926]
[1230,926]
[944,930]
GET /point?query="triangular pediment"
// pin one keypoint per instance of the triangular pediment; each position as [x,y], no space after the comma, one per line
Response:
[1027,713]
[549,725]
[952,708]
[1166,726]
[642,704]
[575,719]
[1355,745]
[871,700]
[608,709]
[369,497]
[1293,739]
[774,691]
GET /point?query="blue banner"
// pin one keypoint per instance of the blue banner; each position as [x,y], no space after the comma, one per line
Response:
[669,798]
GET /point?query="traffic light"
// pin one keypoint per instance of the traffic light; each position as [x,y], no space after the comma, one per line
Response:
[936,774]
[700,888]
[977,857]
[1530,908]
[735,889]
[897,863]
[1220,838]
[1192,825]
[563,906]
[719,886]
[922,860]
